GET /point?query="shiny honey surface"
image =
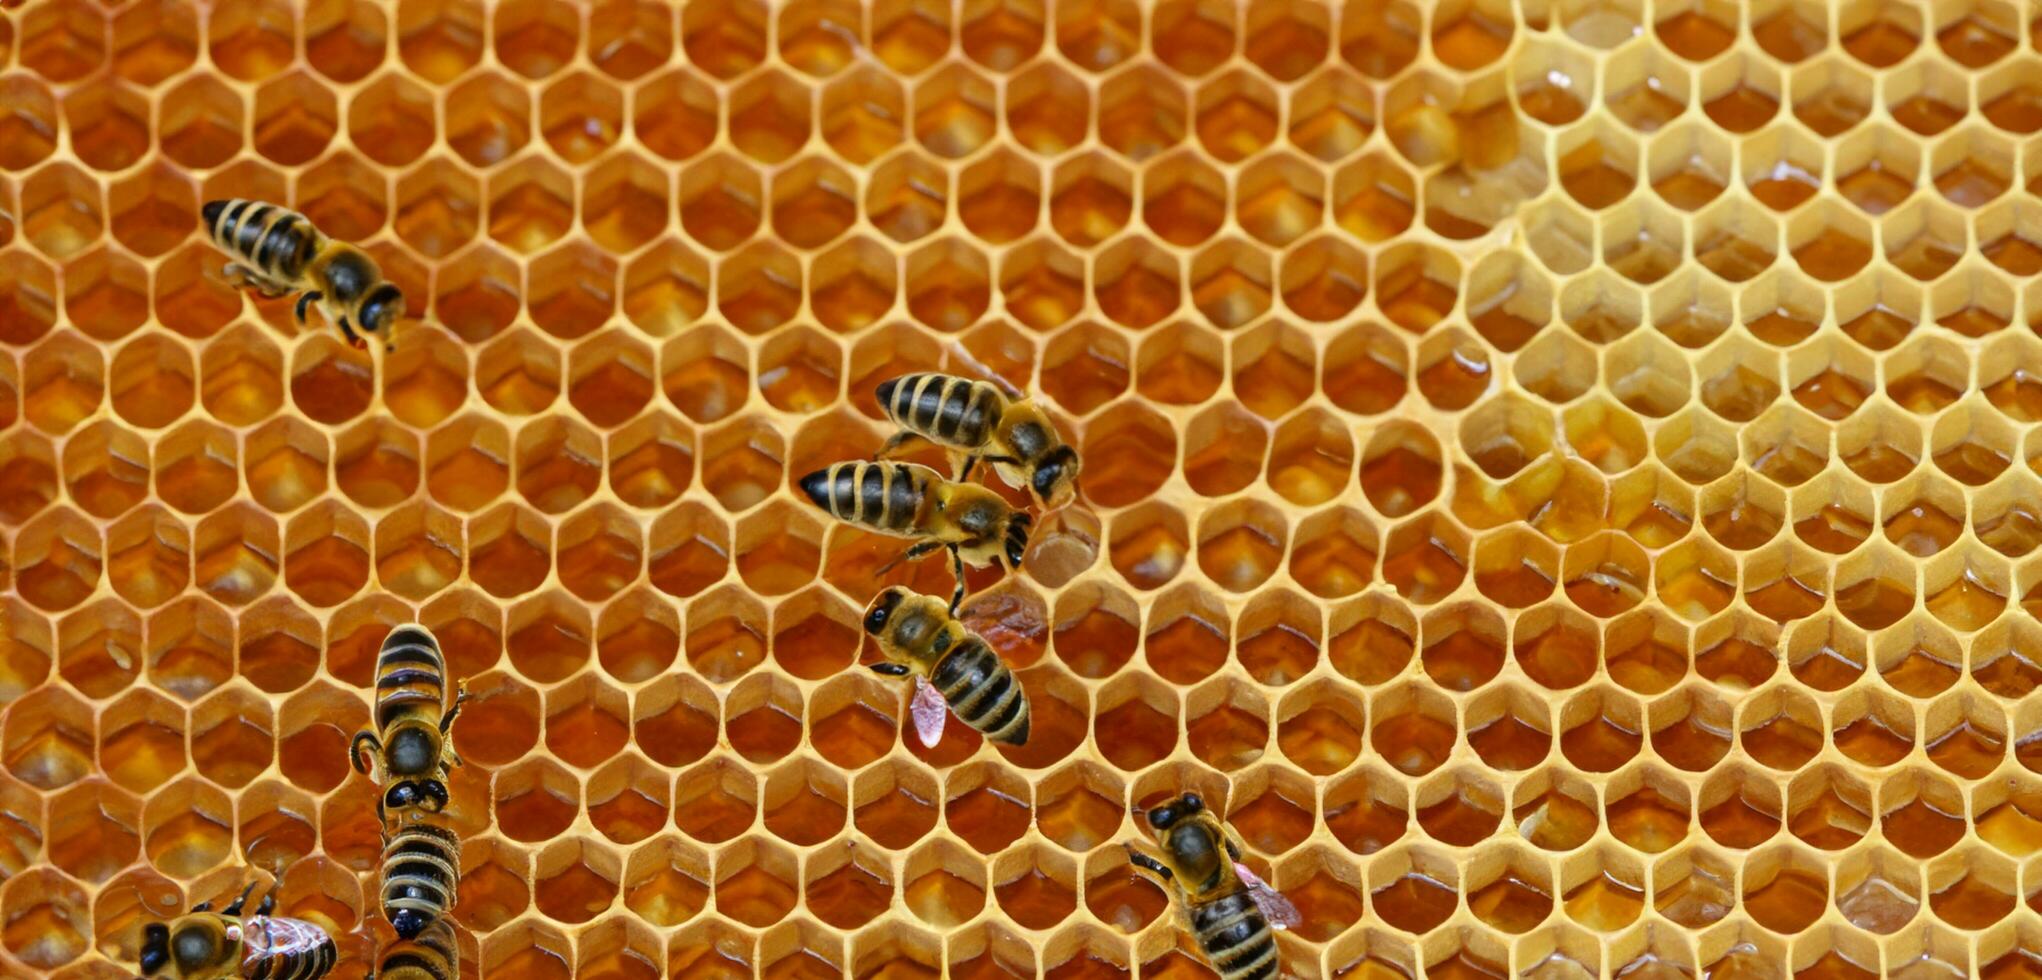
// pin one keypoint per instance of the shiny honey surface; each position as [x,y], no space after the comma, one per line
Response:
[1561,475]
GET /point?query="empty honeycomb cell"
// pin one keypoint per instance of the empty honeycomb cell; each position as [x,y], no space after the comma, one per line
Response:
[233,737]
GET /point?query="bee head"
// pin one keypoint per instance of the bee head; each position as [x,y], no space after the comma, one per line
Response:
[1016,543]
[155,943]
[1055,480]
[427,794]
[1166,816]
[380,309]
[882,609]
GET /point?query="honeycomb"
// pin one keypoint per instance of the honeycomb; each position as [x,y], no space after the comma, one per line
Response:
[1562,477]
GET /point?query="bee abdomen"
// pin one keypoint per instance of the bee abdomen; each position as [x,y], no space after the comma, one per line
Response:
[434,955]
[411,677]
[273,241]
[421,867]
[287,949]
[1233,934]
[881,496]
[949,410]
[983,692]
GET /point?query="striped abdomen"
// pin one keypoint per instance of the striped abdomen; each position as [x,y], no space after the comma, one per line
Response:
[950,411]
[1236,938]
[285,949]
[434,955]
[411,678]
[982,691]
[882,496]
[421,867]
[273,242]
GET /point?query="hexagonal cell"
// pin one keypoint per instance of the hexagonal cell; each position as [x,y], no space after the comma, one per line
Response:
[1366,810]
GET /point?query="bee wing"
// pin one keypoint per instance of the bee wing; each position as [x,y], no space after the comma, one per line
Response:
[928,709]
[1275,908]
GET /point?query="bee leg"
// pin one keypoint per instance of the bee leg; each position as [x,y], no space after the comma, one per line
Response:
[236,275]
[205,906]
[890,669]
[305,302]
[1233,849]
[234,908]
[915,552]
[460,697]
[965,473]
[1149,864]
[894,443]
[957,566]
[347,330]
[447,725]
[354,749]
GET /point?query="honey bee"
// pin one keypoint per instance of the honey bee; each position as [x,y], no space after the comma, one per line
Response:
[278,251]
[414,721]
[1229,910]
[434,955]
[912,501]
[977,420]
[421,873]
[954,669]
[207,945]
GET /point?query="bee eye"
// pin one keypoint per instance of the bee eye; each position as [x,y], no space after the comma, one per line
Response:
[881,611]
[1162,817]
[1193,803]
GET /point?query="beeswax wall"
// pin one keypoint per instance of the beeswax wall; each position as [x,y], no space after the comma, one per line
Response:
[1561,476]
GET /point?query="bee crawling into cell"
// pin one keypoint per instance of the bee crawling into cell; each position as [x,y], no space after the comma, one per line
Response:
[413,738]
[278,251]
[978,422]
[912,501]
[1230,911]
[954,669]
[208,945]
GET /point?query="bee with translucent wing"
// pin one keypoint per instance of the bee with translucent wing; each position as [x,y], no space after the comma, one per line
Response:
[954,669]
[977,420]
[1231,912]
[413,738]
[208,945]
[278,251]
[911,501]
